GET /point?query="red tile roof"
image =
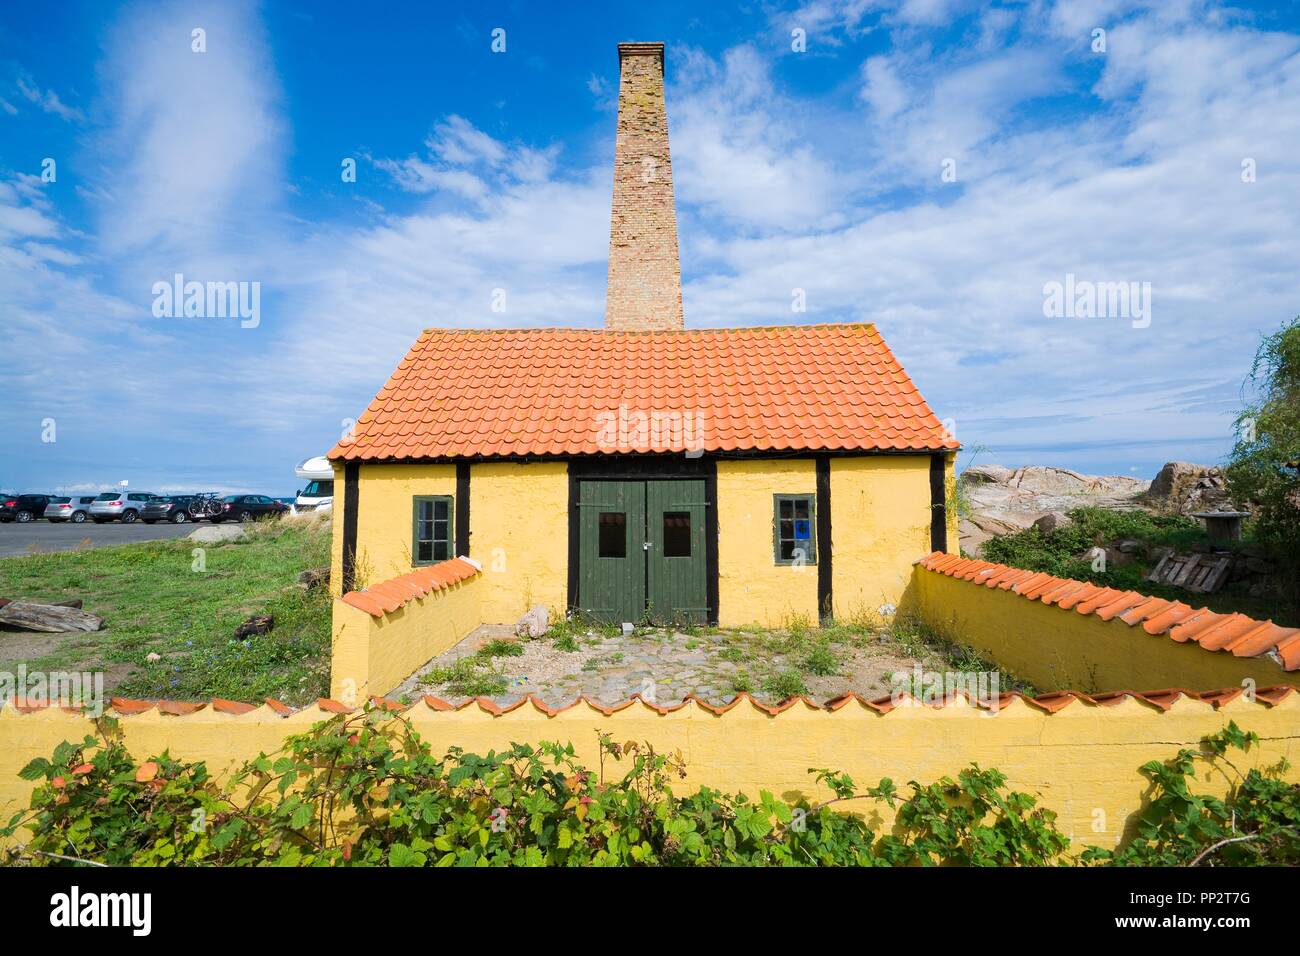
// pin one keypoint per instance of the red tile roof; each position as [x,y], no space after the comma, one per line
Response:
[1243,636]
[517,392]
[1159,700]
[387,596]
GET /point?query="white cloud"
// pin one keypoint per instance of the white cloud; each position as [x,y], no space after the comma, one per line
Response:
[47,100]
[882,89]
[739,153]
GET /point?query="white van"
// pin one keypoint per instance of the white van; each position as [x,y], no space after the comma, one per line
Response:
[318,493]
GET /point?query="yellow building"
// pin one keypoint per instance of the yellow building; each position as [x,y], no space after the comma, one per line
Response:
[646,471]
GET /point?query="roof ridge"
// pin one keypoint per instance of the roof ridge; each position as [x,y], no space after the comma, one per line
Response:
[600,330]
[1280,644]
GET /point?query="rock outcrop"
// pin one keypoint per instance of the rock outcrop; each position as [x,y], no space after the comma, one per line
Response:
[1005,500]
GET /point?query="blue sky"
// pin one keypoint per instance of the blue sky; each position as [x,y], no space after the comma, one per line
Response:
[819,170]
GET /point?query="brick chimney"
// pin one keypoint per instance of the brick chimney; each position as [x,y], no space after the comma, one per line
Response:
[645,275]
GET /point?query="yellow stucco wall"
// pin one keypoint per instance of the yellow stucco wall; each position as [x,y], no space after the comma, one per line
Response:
[1058,649]
[384,515]
[752,588]
[1080,760]
[371,656]
[519,532]
[880,524]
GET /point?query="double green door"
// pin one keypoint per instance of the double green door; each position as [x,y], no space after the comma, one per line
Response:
[641,551]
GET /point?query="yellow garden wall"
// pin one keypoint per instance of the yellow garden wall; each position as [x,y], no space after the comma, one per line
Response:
[752,588]
[519,532]
[1082,760]
[1056,648]
[880,524]
[372,655]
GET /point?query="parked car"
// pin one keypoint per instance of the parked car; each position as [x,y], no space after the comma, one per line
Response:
[173,508]
[23,507]
[75,508]
[112,505]
[248,507]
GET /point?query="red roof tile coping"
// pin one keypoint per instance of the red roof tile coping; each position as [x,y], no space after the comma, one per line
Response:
[469,393]
[1050,703]
[387,596]
[1241,635]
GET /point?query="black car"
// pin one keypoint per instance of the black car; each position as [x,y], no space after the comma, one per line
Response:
[173,508]
[248,508]
[23,507]
[74,508]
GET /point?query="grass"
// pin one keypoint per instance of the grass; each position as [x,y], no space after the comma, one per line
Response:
[153,600]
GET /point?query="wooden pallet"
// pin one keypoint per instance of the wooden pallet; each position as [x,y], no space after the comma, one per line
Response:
[1204,573]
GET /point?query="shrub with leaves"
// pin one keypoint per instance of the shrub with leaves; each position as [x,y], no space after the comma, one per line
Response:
[1258,824]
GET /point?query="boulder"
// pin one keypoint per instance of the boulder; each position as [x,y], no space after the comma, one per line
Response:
[216,533]
[535,623]
[1130,546]
[1052,521]
[988,474]
[1182,488]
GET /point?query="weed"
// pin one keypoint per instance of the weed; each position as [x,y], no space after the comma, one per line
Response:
[785,684]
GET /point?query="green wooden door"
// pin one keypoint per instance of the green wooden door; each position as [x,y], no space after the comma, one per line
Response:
[611,552]
[641,549]
[677,569]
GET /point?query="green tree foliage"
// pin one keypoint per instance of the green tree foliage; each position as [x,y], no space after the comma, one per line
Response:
[1264,467]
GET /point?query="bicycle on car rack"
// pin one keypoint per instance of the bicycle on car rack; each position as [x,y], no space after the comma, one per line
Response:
[205,505]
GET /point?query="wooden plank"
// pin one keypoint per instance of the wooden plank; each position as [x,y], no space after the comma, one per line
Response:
[1217,575]
[1157,573]
[1186,571]
[48,617]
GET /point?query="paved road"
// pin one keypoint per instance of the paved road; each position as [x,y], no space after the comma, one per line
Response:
[43,537]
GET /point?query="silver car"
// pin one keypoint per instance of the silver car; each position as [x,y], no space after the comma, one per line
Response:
[112,505]
[63,508]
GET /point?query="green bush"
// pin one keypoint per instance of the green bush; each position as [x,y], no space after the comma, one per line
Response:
[1060,552]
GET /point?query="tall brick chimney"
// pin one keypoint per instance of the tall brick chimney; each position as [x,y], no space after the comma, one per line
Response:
[645,275]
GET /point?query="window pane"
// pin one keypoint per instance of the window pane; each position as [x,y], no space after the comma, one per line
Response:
[677,534]
[440,509]
[787,551]
[613,534]
[424,551]
[441,550]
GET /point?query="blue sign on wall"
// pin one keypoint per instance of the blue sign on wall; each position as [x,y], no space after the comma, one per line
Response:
[802,529]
